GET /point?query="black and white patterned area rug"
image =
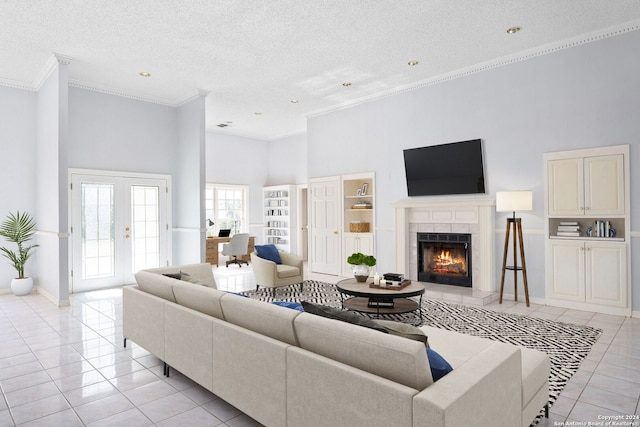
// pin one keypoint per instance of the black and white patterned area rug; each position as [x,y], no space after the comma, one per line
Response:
[566,344]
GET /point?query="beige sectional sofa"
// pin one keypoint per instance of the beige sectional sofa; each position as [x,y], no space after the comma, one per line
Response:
[286,368]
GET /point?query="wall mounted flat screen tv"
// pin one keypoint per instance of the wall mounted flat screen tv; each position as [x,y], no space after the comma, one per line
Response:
[454,168]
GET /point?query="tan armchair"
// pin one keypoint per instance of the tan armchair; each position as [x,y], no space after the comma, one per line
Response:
[271,275]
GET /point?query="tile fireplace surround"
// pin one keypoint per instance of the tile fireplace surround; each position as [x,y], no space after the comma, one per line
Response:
[470,215]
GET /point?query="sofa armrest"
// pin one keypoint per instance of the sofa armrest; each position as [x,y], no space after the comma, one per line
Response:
[485,390]
[143,319]
[264,270]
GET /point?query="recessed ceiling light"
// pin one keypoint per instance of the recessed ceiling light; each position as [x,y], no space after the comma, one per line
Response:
[346,84]
[222,125]
[294,101]
[257,113]
[144,74]
[227,122]
[413,63]
[513,30]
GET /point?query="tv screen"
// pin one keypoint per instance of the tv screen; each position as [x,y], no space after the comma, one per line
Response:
[454,168]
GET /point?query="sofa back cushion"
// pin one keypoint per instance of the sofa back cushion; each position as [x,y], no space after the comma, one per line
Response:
[156,284]
[200,298]
[397,359]
[267,319]
[200,273]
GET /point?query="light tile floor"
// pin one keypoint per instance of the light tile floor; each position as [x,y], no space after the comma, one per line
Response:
[67,366]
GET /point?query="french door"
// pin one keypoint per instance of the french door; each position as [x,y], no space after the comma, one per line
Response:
[119,226]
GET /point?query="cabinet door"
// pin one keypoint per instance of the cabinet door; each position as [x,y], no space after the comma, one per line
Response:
[606,274]
[604,185]
[566,188]
[356,242]
[567,270]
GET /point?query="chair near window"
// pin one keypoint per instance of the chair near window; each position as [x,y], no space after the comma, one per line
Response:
[237,246]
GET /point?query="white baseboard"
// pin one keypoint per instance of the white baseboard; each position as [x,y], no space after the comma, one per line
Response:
[635,314]
[56,301]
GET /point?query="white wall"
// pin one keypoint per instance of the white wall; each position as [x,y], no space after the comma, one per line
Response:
[586,96]
[110,132]
[288,160]
[240,161]
[17,151]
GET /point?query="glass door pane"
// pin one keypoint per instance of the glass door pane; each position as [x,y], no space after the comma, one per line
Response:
[98,243]
[146,227]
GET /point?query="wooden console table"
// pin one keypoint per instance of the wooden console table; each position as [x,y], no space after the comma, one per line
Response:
[213,248]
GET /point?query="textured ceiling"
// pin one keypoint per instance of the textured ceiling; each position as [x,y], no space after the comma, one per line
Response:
[256,56]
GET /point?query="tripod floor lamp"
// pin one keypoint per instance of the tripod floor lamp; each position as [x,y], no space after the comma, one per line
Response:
[512,201]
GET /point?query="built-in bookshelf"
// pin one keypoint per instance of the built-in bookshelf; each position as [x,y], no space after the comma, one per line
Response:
[587,214]
[279,216]
[358,222]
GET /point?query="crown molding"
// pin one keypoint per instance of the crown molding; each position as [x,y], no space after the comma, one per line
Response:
[55,60]
[117,92]
[200,93]
[16,84]
[258,136]
[63,59]
[488,65]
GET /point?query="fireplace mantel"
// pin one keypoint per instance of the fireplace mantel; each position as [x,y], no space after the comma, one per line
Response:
[472,214]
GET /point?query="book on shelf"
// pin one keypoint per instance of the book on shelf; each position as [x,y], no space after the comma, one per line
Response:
[569,223]
[568,228]
[568,233]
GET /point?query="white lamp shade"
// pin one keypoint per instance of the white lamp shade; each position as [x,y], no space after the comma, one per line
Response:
[514,201]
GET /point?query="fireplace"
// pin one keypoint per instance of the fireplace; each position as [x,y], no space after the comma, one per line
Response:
[444,258]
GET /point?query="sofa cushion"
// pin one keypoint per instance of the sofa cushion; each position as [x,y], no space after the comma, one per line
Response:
[266,319]
[285,271]
[200,298]
[343,315]
[188,278]
[269,252]
[203,272]
[385,355]
[156,284]
[404,330]
[438,366]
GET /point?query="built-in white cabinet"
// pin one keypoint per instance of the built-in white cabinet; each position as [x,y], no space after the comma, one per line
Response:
[358,220]
[280,216]
[589,272]
[587,229]
[586,186]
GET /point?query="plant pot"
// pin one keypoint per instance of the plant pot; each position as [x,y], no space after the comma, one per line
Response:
[361,272]
[22,286]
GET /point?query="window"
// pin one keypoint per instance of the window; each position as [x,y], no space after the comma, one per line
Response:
[226,207]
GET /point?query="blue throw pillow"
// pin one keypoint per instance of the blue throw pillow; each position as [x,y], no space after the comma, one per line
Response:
[269,252]
[439,366]
[287,304]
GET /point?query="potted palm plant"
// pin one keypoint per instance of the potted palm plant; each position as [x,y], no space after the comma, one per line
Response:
[361,265]
[19,229]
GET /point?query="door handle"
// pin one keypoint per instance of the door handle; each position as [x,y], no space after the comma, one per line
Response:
[335,232]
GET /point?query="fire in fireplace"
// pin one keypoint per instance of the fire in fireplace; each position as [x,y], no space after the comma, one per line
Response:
[444,258]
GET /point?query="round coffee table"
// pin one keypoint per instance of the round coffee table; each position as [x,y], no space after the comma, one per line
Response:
[380,300]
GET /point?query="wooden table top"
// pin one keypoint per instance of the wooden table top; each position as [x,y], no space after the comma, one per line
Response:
[362,289]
